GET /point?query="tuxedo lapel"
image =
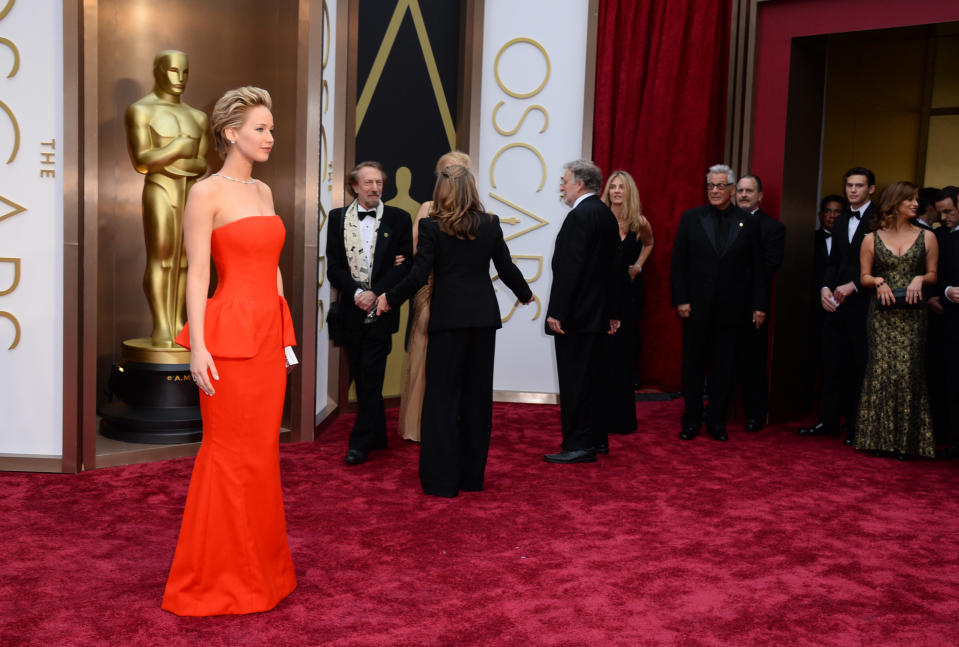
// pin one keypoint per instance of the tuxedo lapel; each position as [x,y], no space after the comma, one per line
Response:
[382,244]
[709,228]
[735,226]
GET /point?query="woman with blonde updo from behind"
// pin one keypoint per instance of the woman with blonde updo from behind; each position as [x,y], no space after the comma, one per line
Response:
[414,374]
[232,555]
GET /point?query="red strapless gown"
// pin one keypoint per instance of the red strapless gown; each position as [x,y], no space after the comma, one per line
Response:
[232,555]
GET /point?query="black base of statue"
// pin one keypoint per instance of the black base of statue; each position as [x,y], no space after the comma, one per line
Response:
[152,403]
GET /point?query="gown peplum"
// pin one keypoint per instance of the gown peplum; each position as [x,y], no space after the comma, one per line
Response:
[232,555]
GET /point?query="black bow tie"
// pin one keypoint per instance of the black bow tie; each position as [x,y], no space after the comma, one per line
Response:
[828,234]
[856,215]
[364,214]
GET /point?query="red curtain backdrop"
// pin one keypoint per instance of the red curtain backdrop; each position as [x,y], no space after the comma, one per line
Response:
[661,74]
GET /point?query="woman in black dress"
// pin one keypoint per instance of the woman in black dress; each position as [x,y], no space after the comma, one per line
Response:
[622,349]
[457,242]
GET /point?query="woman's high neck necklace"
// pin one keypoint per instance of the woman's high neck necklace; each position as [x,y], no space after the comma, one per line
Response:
[233,179]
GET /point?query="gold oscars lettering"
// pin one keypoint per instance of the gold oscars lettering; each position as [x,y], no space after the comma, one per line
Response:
[9,208]
[538,221]
[168,142]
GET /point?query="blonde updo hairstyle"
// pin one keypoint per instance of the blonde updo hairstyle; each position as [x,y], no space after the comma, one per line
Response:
[230,112]
[452,158]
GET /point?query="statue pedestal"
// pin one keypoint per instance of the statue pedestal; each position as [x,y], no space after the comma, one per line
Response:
[154,398]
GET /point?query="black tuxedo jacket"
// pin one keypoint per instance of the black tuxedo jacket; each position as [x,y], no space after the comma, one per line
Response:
[719,284]
[772,236]
[948,269]
[843,264]
[393,238]
[586,290]
[463,294]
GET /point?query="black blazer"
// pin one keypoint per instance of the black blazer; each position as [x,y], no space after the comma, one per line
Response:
[948,269]
[772,236]
[843,264]
[722,284]
[586,290]
[394,238]
[463,294]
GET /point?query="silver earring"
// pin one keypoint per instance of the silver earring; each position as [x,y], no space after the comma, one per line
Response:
[232,142]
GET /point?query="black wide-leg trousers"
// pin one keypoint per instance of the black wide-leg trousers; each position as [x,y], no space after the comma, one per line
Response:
[457,410]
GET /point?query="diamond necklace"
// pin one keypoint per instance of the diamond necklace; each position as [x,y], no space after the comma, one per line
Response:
[233,179]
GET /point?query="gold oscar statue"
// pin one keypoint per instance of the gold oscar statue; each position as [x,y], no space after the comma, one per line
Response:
[168,144]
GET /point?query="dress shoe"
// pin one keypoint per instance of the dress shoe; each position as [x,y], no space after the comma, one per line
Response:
[719,434]
[602,448]
[753,425]
[902,456]
[355,457]
[948,453]
[689,432]
[572,456]
[820,429]
[850,440]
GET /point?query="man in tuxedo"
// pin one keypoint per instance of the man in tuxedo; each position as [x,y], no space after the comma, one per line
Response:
[830,207]
[368,251]
[718,286]
[755,342]
[841,294]
[583,305]
[947,295]
[927,216]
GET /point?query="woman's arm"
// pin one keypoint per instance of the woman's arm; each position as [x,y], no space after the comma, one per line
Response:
[866,256]
[424,212]
[645,235]
[932,258]
[197,231]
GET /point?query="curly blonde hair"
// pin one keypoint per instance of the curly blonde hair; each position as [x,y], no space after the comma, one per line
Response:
[230,112]
[456,202]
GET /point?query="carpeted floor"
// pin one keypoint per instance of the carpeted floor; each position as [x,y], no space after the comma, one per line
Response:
[768,539]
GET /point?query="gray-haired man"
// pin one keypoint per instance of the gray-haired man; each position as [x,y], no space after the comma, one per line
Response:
[718,286]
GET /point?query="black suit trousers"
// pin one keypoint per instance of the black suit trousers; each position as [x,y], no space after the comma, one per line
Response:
[752,371]
[457,410]
[844,351]
[708,344]
[367,347]
[579,361]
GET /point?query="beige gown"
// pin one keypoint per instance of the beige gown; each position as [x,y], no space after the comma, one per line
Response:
[414,376]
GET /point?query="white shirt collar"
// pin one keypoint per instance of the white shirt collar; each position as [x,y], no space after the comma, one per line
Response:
[862,209]
[581,198]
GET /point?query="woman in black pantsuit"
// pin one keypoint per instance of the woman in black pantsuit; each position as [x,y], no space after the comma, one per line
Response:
[457,242]
[621,350]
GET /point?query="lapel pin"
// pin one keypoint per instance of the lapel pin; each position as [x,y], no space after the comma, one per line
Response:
[740,223]
[386,234]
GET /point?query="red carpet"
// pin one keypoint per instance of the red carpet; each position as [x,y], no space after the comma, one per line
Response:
[768,539]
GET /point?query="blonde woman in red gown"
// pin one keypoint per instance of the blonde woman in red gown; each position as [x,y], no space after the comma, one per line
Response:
[232,554]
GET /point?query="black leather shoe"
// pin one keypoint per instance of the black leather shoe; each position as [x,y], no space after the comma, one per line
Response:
[902,456]
[355,457]
[753,425]
[820,429]
[689,432]
[719,434]
[948,453]
[572,456]
[850,440]
[602,449]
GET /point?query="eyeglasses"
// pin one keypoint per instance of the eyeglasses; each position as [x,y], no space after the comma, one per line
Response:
[710,186]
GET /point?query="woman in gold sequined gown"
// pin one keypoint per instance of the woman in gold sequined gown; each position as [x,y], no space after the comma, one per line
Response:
[894,413]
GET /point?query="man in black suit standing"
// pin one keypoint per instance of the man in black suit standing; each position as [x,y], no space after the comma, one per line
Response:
[830,207]
[583,305]
[772,238]
[947,294]
[717,280]
[365,240]
[844,334]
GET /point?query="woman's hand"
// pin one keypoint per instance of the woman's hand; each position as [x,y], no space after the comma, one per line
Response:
[914,290]
[884,294]
[201,368]
[399,260]
[382,305]
[634,271]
